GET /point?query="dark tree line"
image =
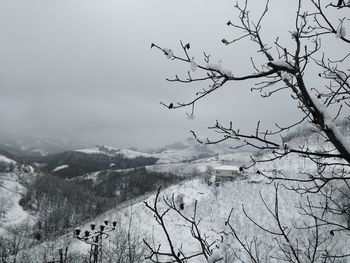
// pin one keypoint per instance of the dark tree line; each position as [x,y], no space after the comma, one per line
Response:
[129,184]
[59,204]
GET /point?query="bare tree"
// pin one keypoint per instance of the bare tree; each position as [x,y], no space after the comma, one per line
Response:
[176,253]
[324,107]
[125,245]
[13,241]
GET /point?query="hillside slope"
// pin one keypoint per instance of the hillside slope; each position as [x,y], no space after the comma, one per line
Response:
[213,205]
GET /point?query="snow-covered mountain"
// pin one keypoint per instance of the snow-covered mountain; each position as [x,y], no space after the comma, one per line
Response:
[185,151]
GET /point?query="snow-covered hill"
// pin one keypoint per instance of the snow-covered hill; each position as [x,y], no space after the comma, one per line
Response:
[12,188]
[6,160]
[71,164]
[188,150]
[111,151]
[213,206]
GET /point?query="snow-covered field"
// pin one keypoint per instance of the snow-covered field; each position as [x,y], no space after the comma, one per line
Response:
[111,151]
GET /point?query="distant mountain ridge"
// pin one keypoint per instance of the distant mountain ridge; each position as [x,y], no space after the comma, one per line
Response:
[35,146]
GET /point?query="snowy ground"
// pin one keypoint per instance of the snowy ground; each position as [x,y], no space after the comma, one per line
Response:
[4,159]
[12,214]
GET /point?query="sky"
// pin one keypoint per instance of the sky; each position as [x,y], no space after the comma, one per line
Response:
[83,69]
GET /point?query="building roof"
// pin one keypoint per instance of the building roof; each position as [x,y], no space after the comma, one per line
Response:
[227,168]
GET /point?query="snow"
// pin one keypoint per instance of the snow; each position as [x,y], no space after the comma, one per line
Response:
[189,149]
[285,76]
[218,67]
[282,63]
[340,137]
[213,211]
[61,167]
[226,72]
[92,176]
[133,154]
[10,194]
[173,161]
[30,169]
[193,65]
[329,122]
[214,204]
[108,148]
[213,66]
[213,207]
[217,255]
[175,156]
[174,153]
[111,151]
[4,159]
[89,151]
[169,53]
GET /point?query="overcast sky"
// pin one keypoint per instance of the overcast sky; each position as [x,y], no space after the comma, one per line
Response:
[84,70]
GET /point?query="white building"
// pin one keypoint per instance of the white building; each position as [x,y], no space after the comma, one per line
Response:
[226,171]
